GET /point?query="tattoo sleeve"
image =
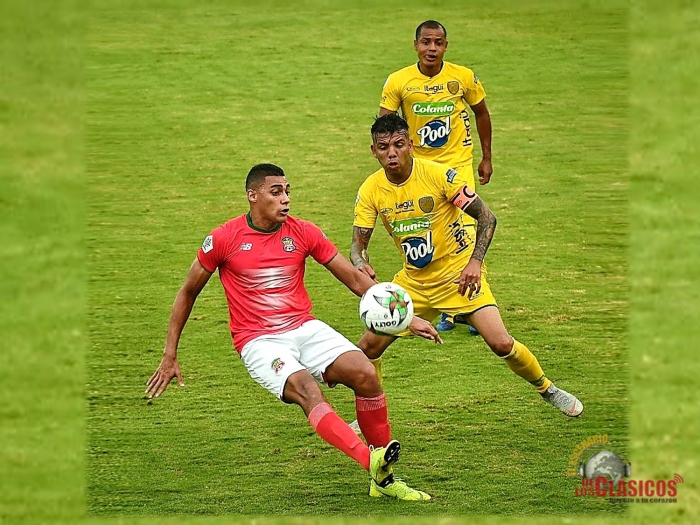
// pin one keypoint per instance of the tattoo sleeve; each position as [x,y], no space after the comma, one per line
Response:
[358,249]
[485,228]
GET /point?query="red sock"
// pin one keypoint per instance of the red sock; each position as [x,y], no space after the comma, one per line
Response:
[373,419]
[338,433]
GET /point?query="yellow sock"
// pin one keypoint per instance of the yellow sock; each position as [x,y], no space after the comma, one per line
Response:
[377,368]
[525,364]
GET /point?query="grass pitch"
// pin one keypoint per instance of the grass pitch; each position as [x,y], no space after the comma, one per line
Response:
[171,125]
[184,98]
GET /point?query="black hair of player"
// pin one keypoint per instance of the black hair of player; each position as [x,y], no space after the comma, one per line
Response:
[389,123]
[256,175]
[430,24]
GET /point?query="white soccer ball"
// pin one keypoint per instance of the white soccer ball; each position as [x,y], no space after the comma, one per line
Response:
[386,308]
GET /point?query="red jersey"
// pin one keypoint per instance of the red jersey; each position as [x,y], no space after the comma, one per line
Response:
[263,273]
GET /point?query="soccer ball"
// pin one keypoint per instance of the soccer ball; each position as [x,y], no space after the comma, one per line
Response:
[386,308]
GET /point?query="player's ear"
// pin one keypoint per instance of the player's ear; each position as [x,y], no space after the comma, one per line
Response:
[252,195]
[374,151]
[415,45]
[446,44]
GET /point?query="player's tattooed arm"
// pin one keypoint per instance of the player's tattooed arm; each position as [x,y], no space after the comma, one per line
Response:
[485,228]
[358,249]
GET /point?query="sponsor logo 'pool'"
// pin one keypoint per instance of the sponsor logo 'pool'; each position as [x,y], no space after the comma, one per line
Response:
[418,250]
[435,133]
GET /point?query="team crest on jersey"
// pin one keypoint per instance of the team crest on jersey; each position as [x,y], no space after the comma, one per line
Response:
[453,87]
[426,204]
[277,365]
[208,244]
[288,244]
[451,174]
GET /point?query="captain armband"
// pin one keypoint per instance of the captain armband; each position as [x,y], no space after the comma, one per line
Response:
[464,197]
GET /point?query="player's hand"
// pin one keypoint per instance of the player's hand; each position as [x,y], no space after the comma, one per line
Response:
[168,368]
[424,329]
[485,171]
[470,278]
[369,271]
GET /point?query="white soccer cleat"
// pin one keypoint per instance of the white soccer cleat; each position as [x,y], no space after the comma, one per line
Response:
[567,403]
[356,427]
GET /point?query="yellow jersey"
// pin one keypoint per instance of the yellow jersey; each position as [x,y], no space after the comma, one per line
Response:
[436,110]
[434,236]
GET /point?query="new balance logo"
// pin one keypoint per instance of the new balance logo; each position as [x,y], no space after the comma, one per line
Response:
[246,246]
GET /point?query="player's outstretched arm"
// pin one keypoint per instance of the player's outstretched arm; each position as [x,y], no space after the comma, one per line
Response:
[195,281]
[358,250]
[424,329]
[356,280]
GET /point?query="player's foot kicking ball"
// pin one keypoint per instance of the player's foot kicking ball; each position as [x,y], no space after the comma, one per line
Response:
[567,403]
[381,472]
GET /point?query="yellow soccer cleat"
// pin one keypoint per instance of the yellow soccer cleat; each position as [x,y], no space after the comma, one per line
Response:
[399,490]
[380,461]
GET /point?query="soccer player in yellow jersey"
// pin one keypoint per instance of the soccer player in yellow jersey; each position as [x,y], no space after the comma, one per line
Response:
[422,205]
[433,96]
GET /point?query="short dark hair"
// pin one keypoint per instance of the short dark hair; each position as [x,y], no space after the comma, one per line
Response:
[389,123]
[256,175]
[430,24]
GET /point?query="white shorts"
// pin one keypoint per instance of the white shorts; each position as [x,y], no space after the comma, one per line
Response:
[314,346]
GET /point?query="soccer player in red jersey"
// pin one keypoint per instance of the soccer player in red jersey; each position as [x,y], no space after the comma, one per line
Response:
[261,260]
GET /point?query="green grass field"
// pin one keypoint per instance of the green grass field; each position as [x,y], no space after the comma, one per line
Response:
[148,145]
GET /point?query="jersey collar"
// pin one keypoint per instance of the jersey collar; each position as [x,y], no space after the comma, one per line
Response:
[442,66]
[254,227]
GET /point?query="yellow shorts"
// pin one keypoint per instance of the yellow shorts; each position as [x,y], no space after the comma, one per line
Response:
[467,170]
[430,299]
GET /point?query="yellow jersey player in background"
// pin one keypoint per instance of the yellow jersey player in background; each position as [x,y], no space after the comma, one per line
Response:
[421,204]
[433,96]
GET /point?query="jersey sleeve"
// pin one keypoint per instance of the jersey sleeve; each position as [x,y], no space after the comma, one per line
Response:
[213,250]
[391,94]
[365,211]
[319,247]
[473,89]
[454,187]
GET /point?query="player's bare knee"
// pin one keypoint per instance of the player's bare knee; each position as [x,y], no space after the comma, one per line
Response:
[372,347]
[501,346]
[303,390]
[365,381]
